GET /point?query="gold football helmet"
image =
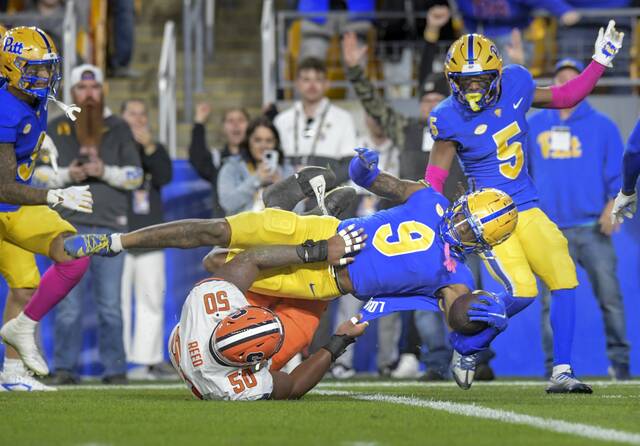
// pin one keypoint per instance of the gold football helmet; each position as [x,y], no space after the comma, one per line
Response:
[479,220]
[29,61]
[474,59]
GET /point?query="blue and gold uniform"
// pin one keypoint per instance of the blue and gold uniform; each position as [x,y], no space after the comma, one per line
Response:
[490,130]
[404,255]
[25,230]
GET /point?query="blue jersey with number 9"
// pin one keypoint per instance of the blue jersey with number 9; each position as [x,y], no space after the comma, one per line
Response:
[404,255]
[492,142]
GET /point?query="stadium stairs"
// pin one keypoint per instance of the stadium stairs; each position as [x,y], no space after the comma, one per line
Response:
[232,77]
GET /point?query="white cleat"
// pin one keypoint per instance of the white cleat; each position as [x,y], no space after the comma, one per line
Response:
[463,369]
[23,339]
[408,367]
[22,383]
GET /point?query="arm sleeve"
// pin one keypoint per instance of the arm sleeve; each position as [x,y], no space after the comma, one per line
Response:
[44,176]
[570,93]
[200,156]
[235,193]
[613,158]
[391,121]
[159,165]
[123,177]
[631,161]
[429,50]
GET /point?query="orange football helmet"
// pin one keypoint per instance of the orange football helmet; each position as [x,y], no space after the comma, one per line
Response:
[246,337]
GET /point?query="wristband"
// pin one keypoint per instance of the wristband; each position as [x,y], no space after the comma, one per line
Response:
[311,251]
[338,344]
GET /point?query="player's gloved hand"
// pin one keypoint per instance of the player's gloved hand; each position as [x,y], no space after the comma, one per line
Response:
[51,151]
[346,242]
[624,206]
[363,168]
[76,198]
[491,310]
[607,44]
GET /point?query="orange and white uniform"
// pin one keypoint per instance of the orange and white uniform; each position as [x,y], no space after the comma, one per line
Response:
[207,304]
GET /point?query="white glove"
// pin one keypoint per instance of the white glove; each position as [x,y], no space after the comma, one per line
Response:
[76,198]
[624,206]
[51,151]
[607,45]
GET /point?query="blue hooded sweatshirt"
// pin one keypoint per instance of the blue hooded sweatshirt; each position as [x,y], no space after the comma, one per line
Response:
[576,180]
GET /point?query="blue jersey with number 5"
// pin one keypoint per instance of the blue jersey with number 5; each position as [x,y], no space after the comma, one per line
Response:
[24,127]
[492,142]
[404,255]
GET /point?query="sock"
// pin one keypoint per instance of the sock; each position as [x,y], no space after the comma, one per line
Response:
[560,368]
[116,243]
[56,283]
[468,345]
[563,317]
[14,366]
[515,305]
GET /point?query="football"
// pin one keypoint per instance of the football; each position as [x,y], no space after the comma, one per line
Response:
[458,319]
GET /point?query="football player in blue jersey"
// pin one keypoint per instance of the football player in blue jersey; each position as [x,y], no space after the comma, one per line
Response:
[626,203]
[409,256]
[30,66]
[483,122]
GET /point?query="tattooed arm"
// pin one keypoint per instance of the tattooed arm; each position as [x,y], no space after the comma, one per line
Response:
[10,191]
[387,186]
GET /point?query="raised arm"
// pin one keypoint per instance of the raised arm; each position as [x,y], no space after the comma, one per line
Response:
[571,93]
[364,171]
[440,160]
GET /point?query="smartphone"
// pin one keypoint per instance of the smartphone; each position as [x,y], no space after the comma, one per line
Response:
[271,158]
[83,159]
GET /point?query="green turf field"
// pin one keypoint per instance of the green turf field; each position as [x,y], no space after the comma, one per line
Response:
[349,413]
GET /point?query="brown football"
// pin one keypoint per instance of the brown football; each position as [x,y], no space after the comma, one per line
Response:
[458,319]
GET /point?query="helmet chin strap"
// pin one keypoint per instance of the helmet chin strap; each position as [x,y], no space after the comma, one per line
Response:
[473,99]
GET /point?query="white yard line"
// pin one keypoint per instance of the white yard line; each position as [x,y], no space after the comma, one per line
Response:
[506,416]
[354,384]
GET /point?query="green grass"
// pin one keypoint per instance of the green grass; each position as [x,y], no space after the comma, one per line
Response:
[171,416]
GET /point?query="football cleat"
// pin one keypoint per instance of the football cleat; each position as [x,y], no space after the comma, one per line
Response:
[567,382]
[309,182]
[23,340]
[83,245]
[22,383]
[341,371]
[337,202]
[463,369]
[408,367]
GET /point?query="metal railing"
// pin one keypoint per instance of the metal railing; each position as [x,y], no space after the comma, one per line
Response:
[284,19]
[167,90]
[194,15]
[69,37]
[268,34]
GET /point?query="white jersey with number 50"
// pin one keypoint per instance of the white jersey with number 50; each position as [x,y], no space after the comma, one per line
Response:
[207,304]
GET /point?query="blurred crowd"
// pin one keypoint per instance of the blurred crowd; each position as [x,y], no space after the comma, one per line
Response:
[116,153]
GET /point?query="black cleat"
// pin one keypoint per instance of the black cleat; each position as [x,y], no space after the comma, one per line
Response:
[309,182]
[337,202]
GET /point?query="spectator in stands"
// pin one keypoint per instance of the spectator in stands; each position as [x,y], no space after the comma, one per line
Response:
[438,17]
[259,163]
[575,157]
[97,150]
[144,271]
[316,32]
[46,14]
[314,131]
[123,19]
[497,18]
[207,161]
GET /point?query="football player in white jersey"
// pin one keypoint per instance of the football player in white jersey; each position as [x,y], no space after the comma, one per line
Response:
[222,345]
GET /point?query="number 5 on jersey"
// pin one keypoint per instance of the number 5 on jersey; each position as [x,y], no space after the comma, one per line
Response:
[511,153]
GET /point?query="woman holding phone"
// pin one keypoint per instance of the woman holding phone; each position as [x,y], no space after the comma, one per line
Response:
[259,163]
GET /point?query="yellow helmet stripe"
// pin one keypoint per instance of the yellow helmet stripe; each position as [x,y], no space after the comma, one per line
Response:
[470,57]
[498,213]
